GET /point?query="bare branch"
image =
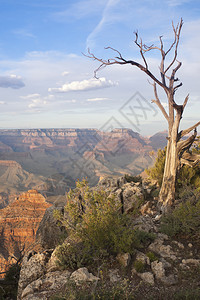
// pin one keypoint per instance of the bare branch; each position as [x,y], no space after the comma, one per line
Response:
[121,61]
[177,33]
[186,144]
[174,42]
[190,163]
[185,101]
[188,130]
[157,101]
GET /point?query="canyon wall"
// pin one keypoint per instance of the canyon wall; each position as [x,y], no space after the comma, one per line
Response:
[18,225]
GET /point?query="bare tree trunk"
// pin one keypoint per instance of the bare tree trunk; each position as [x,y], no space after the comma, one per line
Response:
[177,152]
[167,191]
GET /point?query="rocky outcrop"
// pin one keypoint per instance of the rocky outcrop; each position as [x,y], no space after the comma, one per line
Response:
[41,278]
[159,265]
[18,225]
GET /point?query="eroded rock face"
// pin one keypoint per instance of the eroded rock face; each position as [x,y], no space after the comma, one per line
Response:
[41,278]
[18,225]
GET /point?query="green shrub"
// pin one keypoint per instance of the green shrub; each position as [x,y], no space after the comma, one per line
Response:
[131,178]
[142,238]
[152,257]
[139,266]
[183,220]
[156,172]
[72,254]
[186,176]
[96,228]
[102,291]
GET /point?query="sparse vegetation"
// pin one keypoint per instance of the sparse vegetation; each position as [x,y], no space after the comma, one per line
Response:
[152,257]
[139,266]
[186,177]
[96,228]
[103,291]
[131,178]
[184,219]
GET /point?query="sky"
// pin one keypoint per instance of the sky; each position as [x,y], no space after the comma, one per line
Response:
[46,81]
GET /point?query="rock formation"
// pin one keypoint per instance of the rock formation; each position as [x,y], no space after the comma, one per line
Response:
[167,264]
[18,225]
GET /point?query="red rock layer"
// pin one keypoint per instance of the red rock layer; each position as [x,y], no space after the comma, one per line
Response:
[18,225]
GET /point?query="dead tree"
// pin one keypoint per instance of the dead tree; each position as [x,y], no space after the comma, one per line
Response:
[177,152]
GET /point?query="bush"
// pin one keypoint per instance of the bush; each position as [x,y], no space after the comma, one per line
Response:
[73,255]
[152,257]
[183,220]
[96,228]
[139,266]
[103,291]
[130,178]
[186,176]
[156,172]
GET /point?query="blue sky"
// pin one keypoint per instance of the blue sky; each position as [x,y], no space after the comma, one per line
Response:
[45,81]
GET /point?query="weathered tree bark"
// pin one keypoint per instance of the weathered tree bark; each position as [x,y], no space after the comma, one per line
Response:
[176,148]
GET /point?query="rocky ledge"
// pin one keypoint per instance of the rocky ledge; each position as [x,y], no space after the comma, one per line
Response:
[158,270]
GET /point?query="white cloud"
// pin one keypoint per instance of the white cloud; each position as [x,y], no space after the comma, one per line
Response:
[96,99]
[84,85]
[30,96]
[2,102]
[106,17]
[65,73]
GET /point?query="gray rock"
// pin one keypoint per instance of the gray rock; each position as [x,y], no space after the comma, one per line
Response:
[142,257]
[163,250]
[192,261]
[82,275]
[114,275]
[33,266]
[49,233]
[169,280]
[46,285]
[147,277]
[124,259]
[131,195]
[145,223]
[158,269]
[180,245]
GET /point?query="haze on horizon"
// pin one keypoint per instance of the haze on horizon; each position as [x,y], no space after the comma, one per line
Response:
[46,82]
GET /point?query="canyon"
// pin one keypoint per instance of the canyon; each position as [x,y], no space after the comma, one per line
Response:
[51,160]
[37,166]
[18,225]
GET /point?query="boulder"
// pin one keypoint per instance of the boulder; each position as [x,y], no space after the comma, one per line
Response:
[82,275]
[131,194]
[147,277]
[114,275]
[44,287]
[33,267]
[163,250]
[124,259]
[158,269]
[49,233]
